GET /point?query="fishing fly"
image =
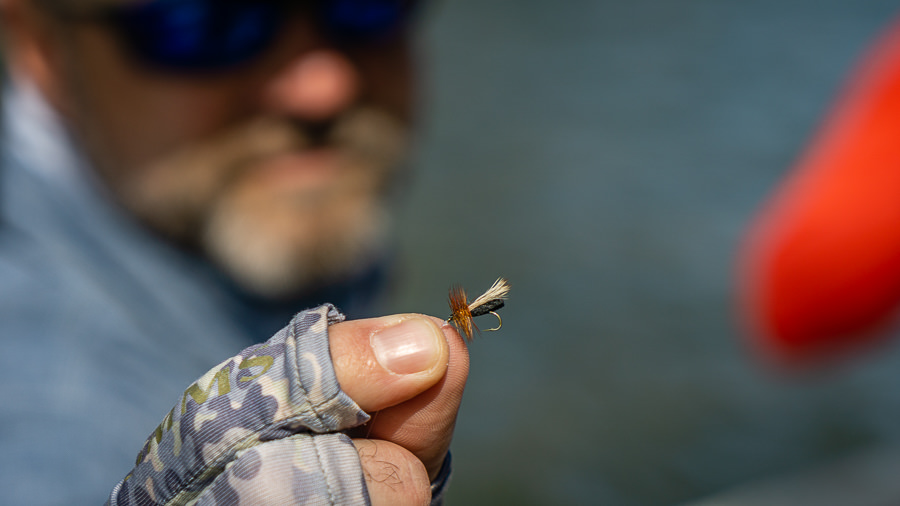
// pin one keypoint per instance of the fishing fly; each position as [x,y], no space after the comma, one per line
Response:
[462,311]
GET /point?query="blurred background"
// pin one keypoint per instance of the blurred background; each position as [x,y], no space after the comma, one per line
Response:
[606,158]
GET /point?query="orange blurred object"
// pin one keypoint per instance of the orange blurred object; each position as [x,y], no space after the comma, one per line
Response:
[820,269]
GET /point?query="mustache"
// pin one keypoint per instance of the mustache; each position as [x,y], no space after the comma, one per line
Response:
[315,133]
[365,134]
[172,192]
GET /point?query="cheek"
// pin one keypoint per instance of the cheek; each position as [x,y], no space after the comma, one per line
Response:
[389,75]
[131,115]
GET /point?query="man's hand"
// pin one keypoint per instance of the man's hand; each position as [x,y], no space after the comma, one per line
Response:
[268,425]
[409,372]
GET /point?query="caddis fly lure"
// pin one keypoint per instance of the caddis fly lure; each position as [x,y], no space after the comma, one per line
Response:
[462,312]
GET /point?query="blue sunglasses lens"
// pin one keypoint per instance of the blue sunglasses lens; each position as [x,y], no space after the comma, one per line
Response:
[363,20]
[207,35]
[198,34]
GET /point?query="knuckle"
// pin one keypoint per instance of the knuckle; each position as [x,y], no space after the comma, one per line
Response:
[394,476]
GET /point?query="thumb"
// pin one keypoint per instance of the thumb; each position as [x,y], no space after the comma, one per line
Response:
[381,362]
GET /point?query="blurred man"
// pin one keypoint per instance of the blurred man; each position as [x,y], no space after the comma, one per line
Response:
[179,178]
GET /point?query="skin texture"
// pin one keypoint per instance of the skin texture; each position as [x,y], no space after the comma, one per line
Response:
[292,154]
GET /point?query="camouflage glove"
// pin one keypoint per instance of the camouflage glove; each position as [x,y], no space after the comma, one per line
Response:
[262,427]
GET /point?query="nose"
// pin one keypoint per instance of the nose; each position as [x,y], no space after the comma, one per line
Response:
[315,86]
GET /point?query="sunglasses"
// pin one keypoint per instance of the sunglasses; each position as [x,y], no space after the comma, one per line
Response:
[216,35]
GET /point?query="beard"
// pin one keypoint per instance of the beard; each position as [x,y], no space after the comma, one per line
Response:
[278,207]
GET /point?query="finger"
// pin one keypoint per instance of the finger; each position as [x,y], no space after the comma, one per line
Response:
[381,362]
[424,424]
[394,476]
